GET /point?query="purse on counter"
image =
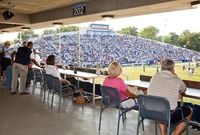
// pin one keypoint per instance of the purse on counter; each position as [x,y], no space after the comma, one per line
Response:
[133,92]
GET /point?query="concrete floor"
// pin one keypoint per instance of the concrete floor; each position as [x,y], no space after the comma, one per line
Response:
[28,115]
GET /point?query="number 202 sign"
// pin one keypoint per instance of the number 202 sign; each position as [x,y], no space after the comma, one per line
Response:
[79,9]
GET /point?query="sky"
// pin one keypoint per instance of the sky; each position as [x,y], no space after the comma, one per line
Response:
[176,21]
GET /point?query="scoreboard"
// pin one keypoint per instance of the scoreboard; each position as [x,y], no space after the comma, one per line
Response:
[99,27]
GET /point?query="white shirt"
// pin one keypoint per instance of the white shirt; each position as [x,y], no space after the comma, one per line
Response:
[7,53]
[35,56]
[52,70]
[168,85]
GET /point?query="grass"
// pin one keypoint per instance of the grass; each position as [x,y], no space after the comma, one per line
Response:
[134,72]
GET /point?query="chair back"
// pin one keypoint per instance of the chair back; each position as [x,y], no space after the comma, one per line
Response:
[30,74]
[37,75]
[57,85]
[154,108]
[49,81]
[110,97]
[53,83]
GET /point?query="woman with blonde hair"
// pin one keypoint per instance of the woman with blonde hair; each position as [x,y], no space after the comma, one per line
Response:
[113,80]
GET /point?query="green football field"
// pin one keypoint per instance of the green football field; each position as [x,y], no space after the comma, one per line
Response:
[133,72]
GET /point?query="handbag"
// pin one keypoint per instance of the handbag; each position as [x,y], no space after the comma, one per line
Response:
[80,98]
[133,92]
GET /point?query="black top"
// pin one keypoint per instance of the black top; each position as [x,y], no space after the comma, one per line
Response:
[23,56]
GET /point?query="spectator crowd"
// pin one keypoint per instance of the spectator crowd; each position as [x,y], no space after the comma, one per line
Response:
[102,49]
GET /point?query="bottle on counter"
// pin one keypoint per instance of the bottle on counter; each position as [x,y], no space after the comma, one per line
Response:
[98,72]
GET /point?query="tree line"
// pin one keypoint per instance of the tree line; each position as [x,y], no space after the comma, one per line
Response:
[187,39]
[26,35]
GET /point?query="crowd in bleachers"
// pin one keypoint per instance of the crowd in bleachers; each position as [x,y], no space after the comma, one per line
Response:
[102,49]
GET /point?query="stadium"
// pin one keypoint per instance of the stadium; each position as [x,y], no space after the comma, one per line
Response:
[100,46]
[74,80]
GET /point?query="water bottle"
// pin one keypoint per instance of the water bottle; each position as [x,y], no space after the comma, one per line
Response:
[98,71]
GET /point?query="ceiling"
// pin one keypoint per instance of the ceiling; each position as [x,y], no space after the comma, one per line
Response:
[42,13]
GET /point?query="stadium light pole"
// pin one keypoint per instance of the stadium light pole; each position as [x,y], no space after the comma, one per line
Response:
[164,27]
[79,48]
[20,34]
[59,25]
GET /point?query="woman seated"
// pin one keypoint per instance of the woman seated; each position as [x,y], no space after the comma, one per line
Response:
[113,80]
[52,69]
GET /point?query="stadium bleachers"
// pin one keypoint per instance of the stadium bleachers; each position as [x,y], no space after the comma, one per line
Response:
[102,49]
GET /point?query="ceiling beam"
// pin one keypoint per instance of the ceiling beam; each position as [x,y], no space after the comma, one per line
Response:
[92,7]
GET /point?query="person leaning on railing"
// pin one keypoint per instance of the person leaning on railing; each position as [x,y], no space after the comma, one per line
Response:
[167,84]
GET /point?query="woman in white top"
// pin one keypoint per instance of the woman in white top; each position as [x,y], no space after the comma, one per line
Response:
[52,69]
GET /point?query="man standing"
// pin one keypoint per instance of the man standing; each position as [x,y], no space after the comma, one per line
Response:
[20,67]
[167,84]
